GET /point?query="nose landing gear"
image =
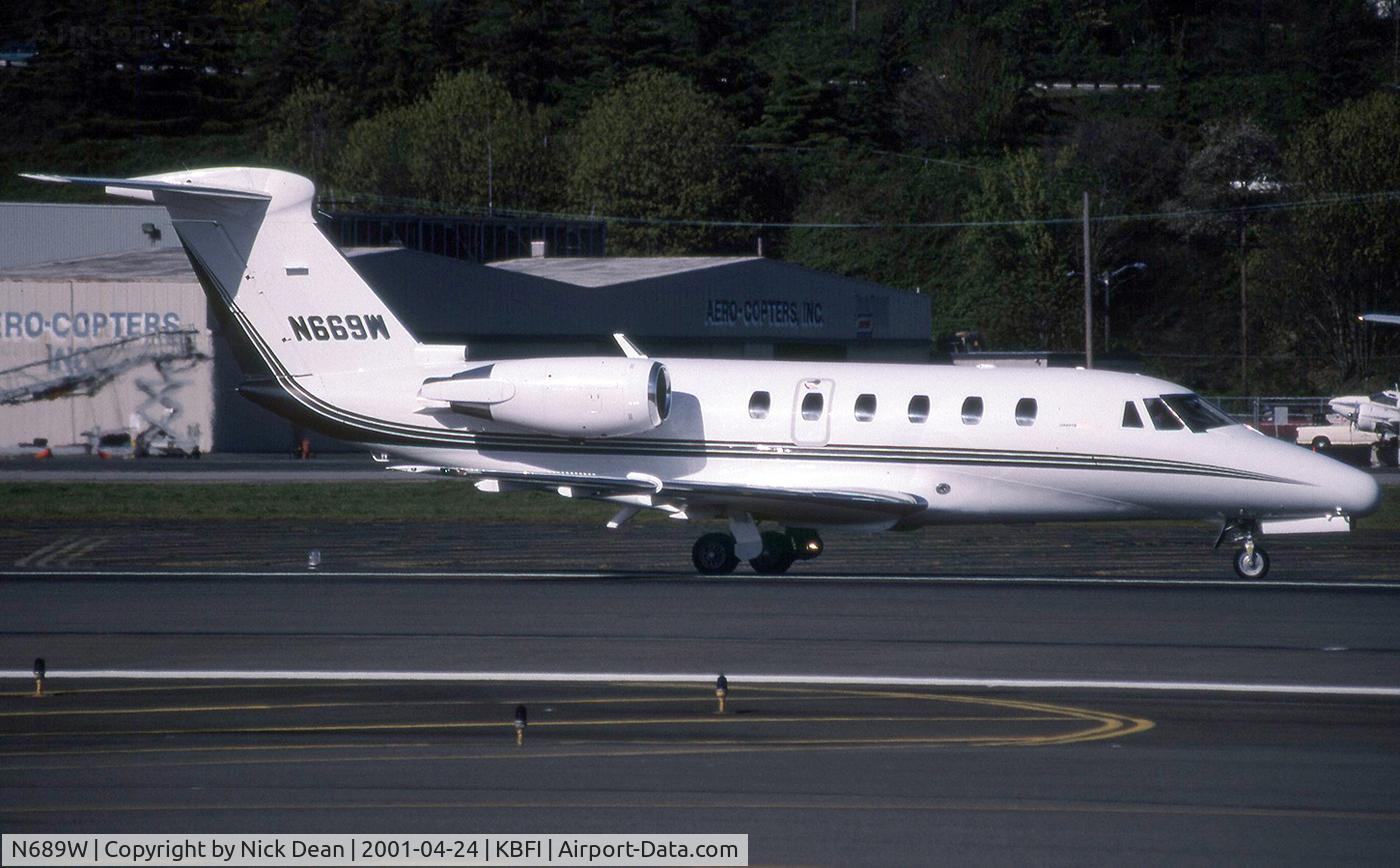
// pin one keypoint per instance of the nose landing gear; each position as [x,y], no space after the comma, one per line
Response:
[1251,561]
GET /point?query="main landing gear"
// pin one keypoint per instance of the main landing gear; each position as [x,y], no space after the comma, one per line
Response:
[714,552]
[1251,561]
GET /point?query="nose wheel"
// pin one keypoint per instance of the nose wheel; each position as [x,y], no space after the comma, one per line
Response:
[1251,562]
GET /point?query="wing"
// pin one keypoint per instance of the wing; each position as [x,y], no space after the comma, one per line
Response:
[1382,318]
[684,498]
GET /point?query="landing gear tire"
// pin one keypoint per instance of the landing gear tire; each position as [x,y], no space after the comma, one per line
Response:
[714,553]
[777,554]
[1252,566]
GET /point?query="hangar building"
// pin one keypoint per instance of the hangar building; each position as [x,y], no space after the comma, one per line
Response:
[121,340]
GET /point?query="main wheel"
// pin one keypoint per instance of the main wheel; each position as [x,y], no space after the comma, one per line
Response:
[777,554]
[1254,566]
[714,553]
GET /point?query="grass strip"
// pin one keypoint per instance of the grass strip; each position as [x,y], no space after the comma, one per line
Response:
[445,500]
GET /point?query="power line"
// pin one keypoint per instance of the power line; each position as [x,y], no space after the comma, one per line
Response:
[1185,214]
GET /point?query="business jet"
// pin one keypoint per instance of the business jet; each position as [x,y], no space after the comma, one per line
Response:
[802,446]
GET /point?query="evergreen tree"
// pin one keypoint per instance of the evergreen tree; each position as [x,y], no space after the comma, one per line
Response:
[656,149]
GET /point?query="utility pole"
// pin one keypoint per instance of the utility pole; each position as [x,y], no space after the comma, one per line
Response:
[1088,291]
[1244,312]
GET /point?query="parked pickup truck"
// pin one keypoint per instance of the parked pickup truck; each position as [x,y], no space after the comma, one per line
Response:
[1350,445]
[1321,437]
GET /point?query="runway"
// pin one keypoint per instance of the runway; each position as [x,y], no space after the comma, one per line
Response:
[1056,695]
[859,726]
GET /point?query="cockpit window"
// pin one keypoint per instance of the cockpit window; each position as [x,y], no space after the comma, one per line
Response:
[1131,419]
[1163,419]
[1386,398]
[1198,413]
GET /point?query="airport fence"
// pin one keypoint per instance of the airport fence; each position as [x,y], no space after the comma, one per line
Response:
[1276,415]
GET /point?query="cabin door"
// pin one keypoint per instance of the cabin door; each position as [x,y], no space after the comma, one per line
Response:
[811,412]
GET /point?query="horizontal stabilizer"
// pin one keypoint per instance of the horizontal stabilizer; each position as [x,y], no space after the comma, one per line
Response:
[132,187]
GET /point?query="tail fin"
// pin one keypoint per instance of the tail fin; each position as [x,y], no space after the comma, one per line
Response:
[269,271]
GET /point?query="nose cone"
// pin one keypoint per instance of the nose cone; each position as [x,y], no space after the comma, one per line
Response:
[1356,492]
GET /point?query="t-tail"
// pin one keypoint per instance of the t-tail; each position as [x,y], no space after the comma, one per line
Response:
[290,304]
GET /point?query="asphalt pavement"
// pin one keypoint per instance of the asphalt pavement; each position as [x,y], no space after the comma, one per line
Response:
[1168,723]
[1050,695]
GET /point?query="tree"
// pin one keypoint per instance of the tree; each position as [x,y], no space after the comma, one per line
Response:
[656,150]
[1341,258]
[476,145]
[1015,281]
[966,94]
[375,158]
[308,129]
[1235,168]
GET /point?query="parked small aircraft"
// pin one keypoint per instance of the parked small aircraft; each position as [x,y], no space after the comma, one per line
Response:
[803,445]
[1379,413]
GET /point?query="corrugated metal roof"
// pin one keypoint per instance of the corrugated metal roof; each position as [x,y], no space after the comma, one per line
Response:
[592,272]
[35,232]
[141,266]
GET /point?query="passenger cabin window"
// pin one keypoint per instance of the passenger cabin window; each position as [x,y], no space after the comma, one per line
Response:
[812,406]
[758,405]
[1025,412]
[1131,419]
[972,411]
[865,408]
[918,409]
[1163,419]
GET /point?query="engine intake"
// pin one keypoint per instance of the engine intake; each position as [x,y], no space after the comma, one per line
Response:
[567,397]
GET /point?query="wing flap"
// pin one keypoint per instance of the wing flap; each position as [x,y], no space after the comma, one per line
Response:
[681,495]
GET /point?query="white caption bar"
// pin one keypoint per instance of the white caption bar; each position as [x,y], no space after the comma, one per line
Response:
[372,850]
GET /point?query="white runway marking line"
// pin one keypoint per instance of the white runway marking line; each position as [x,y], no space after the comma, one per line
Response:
[553,575]
[61,552]
[41,552]
[735,679]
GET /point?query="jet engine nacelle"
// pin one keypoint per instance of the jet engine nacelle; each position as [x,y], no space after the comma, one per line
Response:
[566,397]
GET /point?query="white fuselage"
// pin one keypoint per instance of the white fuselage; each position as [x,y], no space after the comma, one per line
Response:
[1075,459]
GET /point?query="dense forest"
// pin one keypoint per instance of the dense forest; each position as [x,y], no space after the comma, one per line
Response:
[1241,157]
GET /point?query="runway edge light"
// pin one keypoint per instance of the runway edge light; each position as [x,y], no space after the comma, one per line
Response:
[721,691]
[40,670]
[521,716]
